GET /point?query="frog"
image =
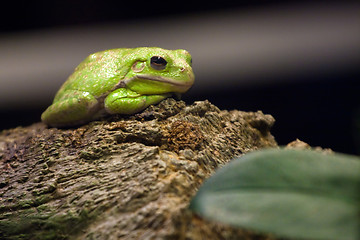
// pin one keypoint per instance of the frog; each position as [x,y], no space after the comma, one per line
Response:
[119,81]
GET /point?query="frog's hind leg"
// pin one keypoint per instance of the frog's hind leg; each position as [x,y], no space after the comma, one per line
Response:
[73,108]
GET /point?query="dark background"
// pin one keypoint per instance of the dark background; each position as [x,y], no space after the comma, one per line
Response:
[30,15]
[319,107]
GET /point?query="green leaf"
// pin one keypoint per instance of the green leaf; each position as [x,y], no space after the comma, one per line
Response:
[290,193]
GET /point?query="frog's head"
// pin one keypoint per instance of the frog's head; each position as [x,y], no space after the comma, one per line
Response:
[158,71]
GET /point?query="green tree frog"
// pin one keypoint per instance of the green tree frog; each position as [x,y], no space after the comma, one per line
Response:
[119,81]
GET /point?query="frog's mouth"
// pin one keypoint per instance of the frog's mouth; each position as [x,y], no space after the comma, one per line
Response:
[170,81]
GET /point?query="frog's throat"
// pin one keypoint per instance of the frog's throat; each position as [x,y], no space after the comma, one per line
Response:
[158,79]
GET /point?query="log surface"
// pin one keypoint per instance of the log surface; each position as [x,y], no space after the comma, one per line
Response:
[122,177]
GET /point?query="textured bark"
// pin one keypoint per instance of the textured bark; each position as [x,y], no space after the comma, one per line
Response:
[123,177]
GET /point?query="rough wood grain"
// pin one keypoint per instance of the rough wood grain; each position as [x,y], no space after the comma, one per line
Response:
[123,177]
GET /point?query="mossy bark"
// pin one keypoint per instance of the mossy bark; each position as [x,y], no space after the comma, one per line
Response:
[123,177]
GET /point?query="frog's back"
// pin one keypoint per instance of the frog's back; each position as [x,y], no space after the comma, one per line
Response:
[97,74]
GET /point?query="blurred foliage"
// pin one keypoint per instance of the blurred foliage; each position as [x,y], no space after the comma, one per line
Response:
[302,194]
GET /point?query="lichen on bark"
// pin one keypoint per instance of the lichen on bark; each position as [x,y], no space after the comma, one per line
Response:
[123,177]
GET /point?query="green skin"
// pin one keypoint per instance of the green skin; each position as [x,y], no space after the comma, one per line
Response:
[119,81]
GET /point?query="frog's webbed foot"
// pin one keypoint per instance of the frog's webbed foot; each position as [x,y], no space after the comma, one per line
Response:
[74,108]
[125,101]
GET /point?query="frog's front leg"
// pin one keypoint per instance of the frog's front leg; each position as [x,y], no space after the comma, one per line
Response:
[73,108]
[125,101]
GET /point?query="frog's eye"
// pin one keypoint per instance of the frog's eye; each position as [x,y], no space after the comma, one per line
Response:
[158,63]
